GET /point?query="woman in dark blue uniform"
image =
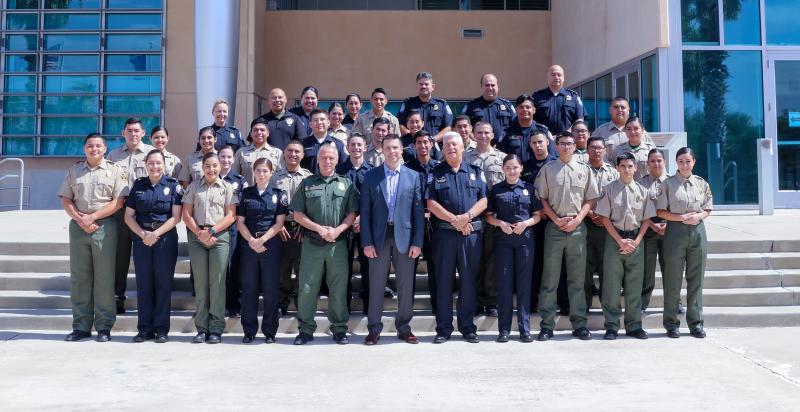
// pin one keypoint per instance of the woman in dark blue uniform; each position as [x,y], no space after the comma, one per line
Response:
[153,208]
[261,214]
[513,207]
[353,103]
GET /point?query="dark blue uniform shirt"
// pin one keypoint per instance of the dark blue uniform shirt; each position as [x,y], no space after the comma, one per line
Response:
[311,147]
[531,168]
[355,174]
[457,191]
[261,210]
[423,170]
[513,203]
[153,203]
[517,140]
[348,121]
[304,118]
[558,111]
[499,113]
[410,150]
[436,113]
[226,135]
[283,128]
[238,183]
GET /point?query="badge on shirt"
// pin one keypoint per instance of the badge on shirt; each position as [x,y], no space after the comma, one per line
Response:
[289,121]
[166,191]
[232,136]
[341,186]
[567,97]
[235,185]
[525,192]
[284,200]
[435,107]
[430,178]
[503,107]
[108,173]
[179,189]
[274,198]
[472,176]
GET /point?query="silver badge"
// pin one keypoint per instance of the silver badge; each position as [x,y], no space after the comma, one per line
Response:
[274,198]
[341,186]
[232,136]
[289,121]
[472,176]
[235,185]
[284,200]
[568,97]
[166,191]
[502,107]
[525,192]
[435,107]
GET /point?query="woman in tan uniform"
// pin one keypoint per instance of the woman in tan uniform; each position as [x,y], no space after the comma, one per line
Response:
[159,137]
[654,238]
[192,168]
[684,202]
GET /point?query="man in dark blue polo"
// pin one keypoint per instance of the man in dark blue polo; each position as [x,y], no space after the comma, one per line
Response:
[456,193]
[436,113]
[283,125]
[319,135]
[557,107]
[491,108]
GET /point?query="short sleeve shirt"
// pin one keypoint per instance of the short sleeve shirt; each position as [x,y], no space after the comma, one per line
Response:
[626,205]
[192,168]
[172,165]
[436,113]
[513,203]
[325,200]
[132,161]
[288,182]
[91,189]
[209,200]
[491,163]
[639,153]
[566,186]
[558,110]
[364,121]
[245,158]
[681,195]
[153,202]
[456,190]
[261,210]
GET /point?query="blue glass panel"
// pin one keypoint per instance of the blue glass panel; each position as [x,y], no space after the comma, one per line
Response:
[649,113]
[781,22]
[61,146]
[129,21]
[724,115]
[132,104]
[22,21]
[19,124]
[23,4]
[133,84]
[20,84]
[80,126]
[19,146]
[700,21]
[133,63]
[71,84]
[134,4]
[71,63]
[19,105]
[70,105]
[787,108]
[603,99]
[126,42]
[589,104]
[113,125]
[72,4]
[742,21]
[21,42]
[20,62]
[71,21]
[71,42]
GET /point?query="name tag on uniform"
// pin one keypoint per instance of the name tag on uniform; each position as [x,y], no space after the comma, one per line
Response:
[502,107]
[441,180]
[166,191]
[568,97]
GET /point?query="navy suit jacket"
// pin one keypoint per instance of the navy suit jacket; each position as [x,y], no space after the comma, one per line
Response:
[409,212]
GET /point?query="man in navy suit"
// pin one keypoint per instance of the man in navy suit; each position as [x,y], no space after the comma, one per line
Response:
[392,231]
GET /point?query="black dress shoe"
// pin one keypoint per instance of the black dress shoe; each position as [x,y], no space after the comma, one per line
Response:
[698,333]
[269,339]
[610,335]
[284,311]
[582,334]
[502,338]
[341,338]
[200,337]
[388,292]
[141,337]
[120,306]
[441,339]
[544,335]
[103,336]
[595,291]
[161,337]
[638,334]
[673,333]
[471,337]
[248,338]
[77,335]
[564,311]
[681,308]
[491,311]
[303,338]
[214,338]
[371,339]
[526,338]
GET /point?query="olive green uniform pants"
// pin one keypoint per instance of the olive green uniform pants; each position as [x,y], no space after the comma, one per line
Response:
[91,275]
[318,261]
[209,266]
[653,252]
[687,249]
[572,246]
[622,272]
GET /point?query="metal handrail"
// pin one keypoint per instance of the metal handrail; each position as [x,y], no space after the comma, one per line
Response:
[21,176]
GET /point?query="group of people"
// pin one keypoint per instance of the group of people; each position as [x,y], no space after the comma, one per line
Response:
[518,198]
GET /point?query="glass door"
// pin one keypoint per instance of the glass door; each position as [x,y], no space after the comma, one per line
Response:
[783,125]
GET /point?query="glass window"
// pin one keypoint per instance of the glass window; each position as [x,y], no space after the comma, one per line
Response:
[113,125]
[132,104]
[22,21]
[23,4]
[70,105]
[20,62]
[129,21]
[19,105]
[742,22]
[781,22]
[146,42]
[649,113]
[724,115]
[134,4]
[61,146]
[19,125]
[71,42]
[71,63]
[133,84]
[700,21]
[80,126]
[133,63]
[20,84]
[71,21]
[589,105]
[71,84]
[603,99]
[19,146]
[787,108]
[21,42]
[633,93]
[72,4]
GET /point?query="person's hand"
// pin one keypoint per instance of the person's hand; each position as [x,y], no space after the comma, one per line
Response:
[203,236]
[210,242]
[571,225]
[466,230]
[298,236]
[325,233]
[414,252]
[460,220]
[86,220]
[562,222]
[626,246]
[519,227]
[693,219]
[596,219]
[284,234]
[257,245]
[659,228]
[357,225]
[369,251]
[149,238]
[90,229]
[506,227]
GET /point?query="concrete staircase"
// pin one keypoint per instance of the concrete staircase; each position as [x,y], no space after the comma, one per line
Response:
[747,284]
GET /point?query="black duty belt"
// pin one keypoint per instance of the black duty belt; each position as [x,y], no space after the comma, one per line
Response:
[259,234]
[151,225]
[476,226]
[291,224]
[628,234]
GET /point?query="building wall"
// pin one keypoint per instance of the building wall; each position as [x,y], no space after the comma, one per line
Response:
[606,36]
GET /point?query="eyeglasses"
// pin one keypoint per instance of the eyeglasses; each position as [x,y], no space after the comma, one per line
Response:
[567,144]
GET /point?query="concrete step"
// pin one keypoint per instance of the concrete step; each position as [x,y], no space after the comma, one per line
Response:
[423,322]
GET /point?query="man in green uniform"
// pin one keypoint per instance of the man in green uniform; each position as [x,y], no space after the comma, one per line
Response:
[325,204]
[91,192]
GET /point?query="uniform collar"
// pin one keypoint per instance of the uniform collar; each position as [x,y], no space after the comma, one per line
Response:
[220,182]
[102,165]
[605,166]
[520,184]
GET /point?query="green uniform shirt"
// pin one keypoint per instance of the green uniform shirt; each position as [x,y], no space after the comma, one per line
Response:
[680,195]
[325,200]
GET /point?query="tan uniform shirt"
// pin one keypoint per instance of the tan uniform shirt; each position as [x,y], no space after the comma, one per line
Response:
[604,175]
[491,163]
[288,182]
[132,161]
[612,134]
[653,184]
[245,158]
[192,168]
[92,189]
[364,121]
[209,200]
[172,165]
[581,156]
[565,186]
[374,157]
[341,134]
[680,195]
[470,146]
[640,153]
[626,205]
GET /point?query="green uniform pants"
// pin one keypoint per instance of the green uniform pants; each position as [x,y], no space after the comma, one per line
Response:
[91,270]
[487,283]
[572,247]
[687,249]
[330,261]
[123,260]
[208,267]
[653,252]
[622,271]
[595,248]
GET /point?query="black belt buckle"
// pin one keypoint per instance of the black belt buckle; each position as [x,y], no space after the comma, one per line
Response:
[152,225]
[628,234]
[259,234]
[390,224]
